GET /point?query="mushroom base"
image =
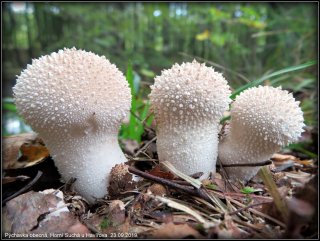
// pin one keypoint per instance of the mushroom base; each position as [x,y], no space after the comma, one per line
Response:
[189,150]
[241,174]
[231,152]
[89,163]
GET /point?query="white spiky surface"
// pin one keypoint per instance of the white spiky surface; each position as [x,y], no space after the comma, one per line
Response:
[76,101]
[263,119]
[188,101]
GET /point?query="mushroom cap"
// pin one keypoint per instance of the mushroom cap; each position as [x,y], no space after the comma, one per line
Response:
[189,92]
[71,91]
[269,113]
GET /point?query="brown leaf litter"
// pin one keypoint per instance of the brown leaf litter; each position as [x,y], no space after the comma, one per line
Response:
[162,203]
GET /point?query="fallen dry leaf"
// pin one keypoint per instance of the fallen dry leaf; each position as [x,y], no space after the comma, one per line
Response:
[303,207]
[162,216]
[40,213]
[281,158]
[303,176]
[11,146]
[224,185]
[233,230]
[158,172]
[33,153]
[157,189]
[174,231]
[116,213]
[285,158]
[23,150]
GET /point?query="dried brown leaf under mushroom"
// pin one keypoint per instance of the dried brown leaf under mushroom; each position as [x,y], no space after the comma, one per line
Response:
[23,150]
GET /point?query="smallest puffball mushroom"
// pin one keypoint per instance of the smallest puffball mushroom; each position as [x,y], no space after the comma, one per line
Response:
[263,119]
[76,101]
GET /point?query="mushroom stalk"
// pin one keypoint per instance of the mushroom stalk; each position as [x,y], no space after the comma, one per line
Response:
[100,155]
[263,120]
[188,101]
[190,149]
[238,147]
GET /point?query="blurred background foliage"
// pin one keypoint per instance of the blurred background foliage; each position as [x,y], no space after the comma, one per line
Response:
[245,41]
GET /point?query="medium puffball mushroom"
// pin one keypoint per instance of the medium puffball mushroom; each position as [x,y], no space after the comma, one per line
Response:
[188,101]
[76,101]
[263,119]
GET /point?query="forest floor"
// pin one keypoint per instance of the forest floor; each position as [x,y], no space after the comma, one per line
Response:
[280,202]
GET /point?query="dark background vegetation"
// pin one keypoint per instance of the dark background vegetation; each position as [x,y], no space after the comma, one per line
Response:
[245,41]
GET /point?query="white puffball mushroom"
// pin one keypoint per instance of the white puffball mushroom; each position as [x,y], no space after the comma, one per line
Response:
[263,119]
[188,101]
[76,101]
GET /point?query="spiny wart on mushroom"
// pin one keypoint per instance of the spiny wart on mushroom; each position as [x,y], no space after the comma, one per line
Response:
[188,101]
[76,101]
[263,119]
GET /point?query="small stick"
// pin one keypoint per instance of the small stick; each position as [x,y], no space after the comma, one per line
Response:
[225,175]
[236,195]
[135,116]
[254,228]
[195,192]
[256,212]
[257,164]
[145,146]
[249,206]
[143,122]
[137,159]
[181,182]
[24,189]
[145,119]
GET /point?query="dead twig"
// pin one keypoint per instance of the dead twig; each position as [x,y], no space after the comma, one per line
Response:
[137,159]
[144,147]
[256,164]
[225,175]
[24,189]
[249,206]
[223,195]
[256,212]
[145,119]
[190,190]
[254,228]
[143,122]
[68,185]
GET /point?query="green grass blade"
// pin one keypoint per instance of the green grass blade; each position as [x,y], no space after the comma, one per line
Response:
[133,120]
[307,83]
[129,129]
[277,73]
[134,129]
[299,147]
[9,106]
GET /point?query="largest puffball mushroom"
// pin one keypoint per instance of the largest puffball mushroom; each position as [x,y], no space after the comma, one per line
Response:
[263,119]
[76,101]
[188,101]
